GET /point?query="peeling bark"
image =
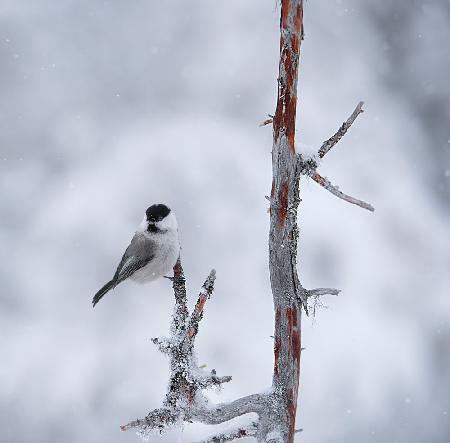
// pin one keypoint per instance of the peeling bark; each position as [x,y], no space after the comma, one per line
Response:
[283,227]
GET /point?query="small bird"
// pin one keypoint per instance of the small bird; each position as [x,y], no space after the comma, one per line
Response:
[152,253]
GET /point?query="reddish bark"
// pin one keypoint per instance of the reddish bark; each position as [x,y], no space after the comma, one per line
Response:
[283,232]
[283,204]
[292,317]
[277,344]
[292,30]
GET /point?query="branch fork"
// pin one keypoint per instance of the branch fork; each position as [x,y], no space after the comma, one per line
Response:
[185,401]
[276,408]
[308,165]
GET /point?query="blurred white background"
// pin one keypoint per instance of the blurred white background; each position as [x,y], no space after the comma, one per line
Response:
[109,106]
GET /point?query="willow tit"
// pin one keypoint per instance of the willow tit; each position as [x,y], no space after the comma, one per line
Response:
[152,253]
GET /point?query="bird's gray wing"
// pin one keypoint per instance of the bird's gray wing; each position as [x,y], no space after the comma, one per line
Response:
[140,252]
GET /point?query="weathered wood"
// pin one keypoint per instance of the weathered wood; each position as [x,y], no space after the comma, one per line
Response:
[283,234]
[276,407]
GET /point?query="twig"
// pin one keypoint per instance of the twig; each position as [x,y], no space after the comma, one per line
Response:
[184,400]
[158,419]
[327,145]
[249,431]
[181,312]
[164,344]
[197,315]
[267,122]
[316,294]
[212,380]
[325,183]
[322,291]
[308,166]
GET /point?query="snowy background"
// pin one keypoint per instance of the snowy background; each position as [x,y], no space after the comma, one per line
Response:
[109,106]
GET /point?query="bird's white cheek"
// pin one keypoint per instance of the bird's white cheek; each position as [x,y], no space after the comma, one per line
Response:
[143,226]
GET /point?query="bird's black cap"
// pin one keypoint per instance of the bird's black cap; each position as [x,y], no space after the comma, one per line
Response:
[156,213]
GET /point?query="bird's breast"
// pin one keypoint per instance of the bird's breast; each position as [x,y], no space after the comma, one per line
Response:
[166,254]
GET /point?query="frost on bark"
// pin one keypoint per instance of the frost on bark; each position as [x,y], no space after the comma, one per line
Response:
[185,401]
[275,407]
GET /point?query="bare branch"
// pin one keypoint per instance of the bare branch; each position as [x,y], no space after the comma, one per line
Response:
[201,411]
[308,166]
[322,291]
[158,419]
[269,121]
[214,415]
[164,344]
[325,183]
[315,294]
[197,315]
[327,145]
[212,380]
[181,312]
[249,431]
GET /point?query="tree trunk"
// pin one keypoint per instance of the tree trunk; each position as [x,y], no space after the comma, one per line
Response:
[283,223]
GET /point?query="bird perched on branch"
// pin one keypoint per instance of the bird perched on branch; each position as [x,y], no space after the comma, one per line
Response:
[152,253]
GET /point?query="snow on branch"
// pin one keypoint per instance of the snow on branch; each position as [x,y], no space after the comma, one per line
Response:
[321,291]
[276,408]
[308,164]
[185,401]
[249,431]
[315,295]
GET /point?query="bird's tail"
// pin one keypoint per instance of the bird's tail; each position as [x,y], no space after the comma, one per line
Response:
[110,285]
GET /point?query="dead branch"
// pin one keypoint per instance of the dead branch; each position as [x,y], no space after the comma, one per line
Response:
[269,121]
[325,183]
[184,399]
[328,144]
[197,315]
[181,312]
[276,408]
[249,431]
[308,165]
[315,295]
[321,291]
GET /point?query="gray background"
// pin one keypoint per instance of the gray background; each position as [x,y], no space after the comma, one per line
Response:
[109,106]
